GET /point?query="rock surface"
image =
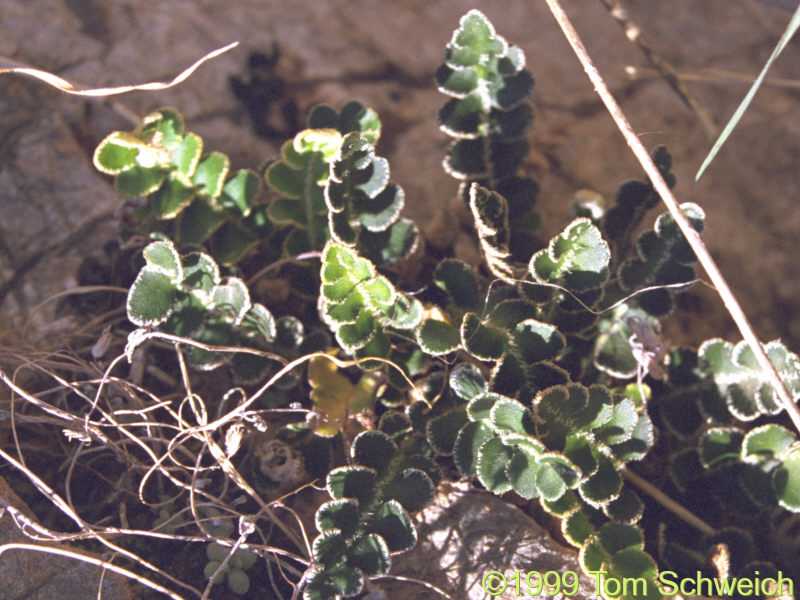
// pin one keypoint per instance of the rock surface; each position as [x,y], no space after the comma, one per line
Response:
[467,533]
[33,575]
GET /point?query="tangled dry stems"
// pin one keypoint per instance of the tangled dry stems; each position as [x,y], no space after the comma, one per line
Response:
[167,446]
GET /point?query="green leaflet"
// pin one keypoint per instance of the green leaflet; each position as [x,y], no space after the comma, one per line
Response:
[438,337]
[565,442]
[151,298]
[665,258]
[363,207]
[353,117]
[457,280]
[299,176]
[159,160]
[576,259]
[613,351]
[522,347]
[741,381]
[786,481]
[634,199]
[210,173]
[188,196]
[490,211]
[766,443]
[358,304]
[488,84]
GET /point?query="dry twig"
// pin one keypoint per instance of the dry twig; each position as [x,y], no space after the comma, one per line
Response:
[662,66]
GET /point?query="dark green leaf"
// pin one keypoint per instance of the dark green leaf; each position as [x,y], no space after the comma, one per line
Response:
[171,198]
[329,546]
[240,191]
[786,481]
[626,509]
[163,257]
[370,554]
[352,482]
[522,471]
[768,442]
[139,181]
[510,415]
[117,153]
[466,381]
[577,258]
[549,482]
[457,279]
[576,527]
[437,337]
[151,298]
[373,449]
[231,242]
[210,173]
[413,489]
[339,514]
[442,431]
[330,581]
[465,452]
[393,524]
[604,485]
[482,341]
[536,341]
[186,155]
[616,537]
[718,444]
[198,221]
[492,465]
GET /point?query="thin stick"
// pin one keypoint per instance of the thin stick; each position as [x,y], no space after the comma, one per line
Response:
[724,291]
[666,70]
[667,502]
[716,77]
[12,66]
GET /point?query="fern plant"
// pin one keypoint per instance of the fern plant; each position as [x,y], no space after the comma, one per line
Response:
[186,295]
[368,518]
[541,371]
[188,195]
[363,208]
[488,114]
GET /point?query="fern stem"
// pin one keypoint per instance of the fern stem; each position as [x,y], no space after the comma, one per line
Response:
[667,502]
[705,258]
